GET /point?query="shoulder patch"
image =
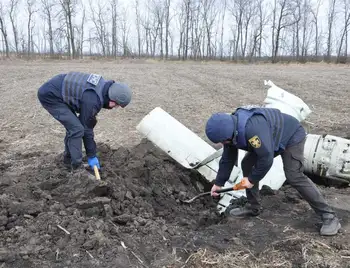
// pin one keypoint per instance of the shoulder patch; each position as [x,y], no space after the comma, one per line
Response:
[94,79]
[255,142]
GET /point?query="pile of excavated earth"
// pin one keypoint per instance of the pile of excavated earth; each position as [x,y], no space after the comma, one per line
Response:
[133,217]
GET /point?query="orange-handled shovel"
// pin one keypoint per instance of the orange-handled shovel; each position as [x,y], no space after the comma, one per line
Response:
[236,187]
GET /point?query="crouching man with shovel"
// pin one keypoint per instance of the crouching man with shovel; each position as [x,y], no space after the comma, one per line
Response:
[65,95]
[265,133]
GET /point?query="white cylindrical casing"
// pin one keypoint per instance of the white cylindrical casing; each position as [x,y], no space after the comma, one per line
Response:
[179,142]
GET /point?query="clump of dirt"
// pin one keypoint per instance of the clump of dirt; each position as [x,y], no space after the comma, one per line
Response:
[133,217]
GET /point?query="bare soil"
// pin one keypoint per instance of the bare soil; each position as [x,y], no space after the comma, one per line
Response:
[134,217]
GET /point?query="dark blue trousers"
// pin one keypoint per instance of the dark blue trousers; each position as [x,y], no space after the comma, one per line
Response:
[293,164]
[49,95]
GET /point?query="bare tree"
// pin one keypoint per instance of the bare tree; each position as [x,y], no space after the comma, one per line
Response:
[187,28]
[306,29]
[138,26]
[146,24]
[244,12]
[197,30]
[33,30]
[296,35]
[114,14]
[237,10]
[68,7]
[171,37]
[47,6]
[346,16]
[99,22]
[12,13]
[181,22]
[80,32]
[263,20]
[31,10]
[344,34]
[250,12]
[125,29]
[284,11]
[331,16]
[59,35]
[155,23]
[223,10]
[167,26]
[259,20]
[42,40]
[209,15]
[158,12]
[3,29]
[314,12]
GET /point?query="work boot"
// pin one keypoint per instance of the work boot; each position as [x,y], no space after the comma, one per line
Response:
[247,210]
[66,160]
[79,170]
[77,167]
[331,224]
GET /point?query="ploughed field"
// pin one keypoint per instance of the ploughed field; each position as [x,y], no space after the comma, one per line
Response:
[134,217]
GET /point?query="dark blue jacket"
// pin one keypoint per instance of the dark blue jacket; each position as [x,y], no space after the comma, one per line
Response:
[261,131]
[89,106]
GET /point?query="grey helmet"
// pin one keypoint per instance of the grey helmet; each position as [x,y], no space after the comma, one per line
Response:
[120,93]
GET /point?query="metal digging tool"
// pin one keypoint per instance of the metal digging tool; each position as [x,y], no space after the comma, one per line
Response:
[236,187]
[208,159]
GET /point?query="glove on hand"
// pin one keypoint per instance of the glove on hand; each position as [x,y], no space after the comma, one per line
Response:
[213,189]
[93,161]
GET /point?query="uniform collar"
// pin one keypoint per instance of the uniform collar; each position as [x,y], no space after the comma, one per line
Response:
[105,94]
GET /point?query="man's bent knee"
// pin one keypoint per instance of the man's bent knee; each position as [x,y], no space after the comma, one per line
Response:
[76,132]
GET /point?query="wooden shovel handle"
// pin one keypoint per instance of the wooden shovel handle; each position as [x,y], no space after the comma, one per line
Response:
[97,174]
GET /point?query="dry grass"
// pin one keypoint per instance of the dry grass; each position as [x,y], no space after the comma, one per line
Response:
[307,253]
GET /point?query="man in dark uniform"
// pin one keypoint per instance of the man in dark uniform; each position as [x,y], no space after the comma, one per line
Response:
[66,95]
[265,133]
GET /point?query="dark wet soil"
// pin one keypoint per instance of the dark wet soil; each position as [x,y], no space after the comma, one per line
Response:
[133,217]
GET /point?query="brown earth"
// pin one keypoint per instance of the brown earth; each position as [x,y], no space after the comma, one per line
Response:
[133,218]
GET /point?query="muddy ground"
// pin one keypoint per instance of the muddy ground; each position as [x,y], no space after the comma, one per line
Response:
[133,217]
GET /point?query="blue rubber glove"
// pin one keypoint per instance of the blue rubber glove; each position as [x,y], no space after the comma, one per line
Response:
[93,161]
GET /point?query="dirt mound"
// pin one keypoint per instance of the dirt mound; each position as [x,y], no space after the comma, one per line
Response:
[50,217]
[48,213]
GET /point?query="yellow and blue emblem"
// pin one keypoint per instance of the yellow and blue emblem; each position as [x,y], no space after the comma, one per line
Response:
[255,142]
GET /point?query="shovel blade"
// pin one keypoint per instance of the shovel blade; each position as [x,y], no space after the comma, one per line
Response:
[189,201]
